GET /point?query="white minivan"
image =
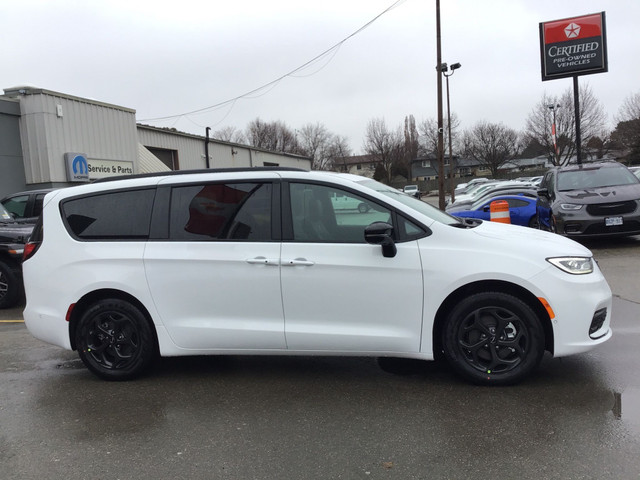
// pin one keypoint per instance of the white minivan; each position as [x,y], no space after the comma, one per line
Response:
[260,261]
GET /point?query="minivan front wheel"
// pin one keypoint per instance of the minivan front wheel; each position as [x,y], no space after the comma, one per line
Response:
[115,340]
[493,338]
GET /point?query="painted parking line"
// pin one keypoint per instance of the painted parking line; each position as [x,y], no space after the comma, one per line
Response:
[11,321]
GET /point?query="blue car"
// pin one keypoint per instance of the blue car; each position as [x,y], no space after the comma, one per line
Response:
[522,209]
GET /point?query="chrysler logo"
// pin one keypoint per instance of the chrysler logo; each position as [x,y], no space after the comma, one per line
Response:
[572,30]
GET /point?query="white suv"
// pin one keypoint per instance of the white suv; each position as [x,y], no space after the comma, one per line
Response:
[261,262]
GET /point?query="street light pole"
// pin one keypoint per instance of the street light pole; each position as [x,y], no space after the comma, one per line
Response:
[453,67]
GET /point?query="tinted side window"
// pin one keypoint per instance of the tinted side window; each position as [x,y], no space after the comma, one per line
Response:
[123,215]
[516,203]
[37,206]
[325,214]
[547,181]
[233,211]
[411,230]
[17,205]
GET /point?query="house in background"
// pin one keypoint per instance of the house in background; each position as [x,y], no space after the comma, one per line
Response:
[364,165]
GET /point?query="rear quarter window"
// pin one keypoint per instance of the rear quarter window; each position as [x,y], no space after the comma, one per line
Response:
[119,215]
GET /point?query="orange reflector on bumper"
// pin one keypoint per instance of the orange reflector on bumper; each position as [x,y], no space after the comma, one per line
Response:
[547,307]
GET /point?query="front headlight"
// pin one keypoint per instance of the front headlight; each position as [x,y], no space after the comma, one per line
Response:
[573,265]
[570,206]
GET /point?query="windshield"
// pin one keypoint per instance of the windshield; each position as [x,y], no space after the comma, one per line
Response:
[418,205]
[5,216]
[586,178]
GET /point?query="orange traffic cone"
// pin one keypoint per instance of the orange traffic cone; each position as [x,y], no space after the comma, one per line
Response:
[500,211]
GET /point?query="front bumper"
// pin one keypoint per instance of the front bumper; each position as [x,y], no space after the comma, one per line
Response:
[582,306]
[581,224]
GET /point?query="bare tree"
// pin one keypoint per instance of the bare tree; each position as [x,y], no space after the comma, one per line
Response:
[540,121]
[385,145]
[314,141]
[274,136]
[229,134]
[630,109]
[626,137]
[429,134]
[491,145]
[338,148]
[411,145]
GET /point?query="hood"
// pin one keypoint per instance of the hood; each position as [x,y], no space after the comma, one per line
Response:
[529,239]
[15,232]
[618,193]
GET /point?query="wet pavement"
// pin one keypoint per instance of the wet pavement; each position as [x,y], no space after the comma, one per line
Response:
[327,418]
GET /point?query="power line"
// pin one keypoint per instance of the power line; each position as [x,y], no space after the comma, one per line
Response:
[273,83]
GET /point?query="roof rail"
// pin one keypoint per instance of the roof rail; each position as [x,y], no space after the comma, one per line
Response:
[200,171]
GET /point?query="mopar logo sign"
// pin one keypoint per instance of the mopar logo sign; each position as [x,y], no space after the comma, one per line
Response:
[77,167]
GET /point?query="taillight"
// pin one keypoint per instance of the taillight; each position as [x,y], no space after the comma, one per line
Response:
[35,240]
[29,249]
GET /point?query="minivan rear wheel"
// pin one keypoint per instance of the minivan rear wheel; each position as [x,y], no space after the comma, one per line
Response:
[115,340]
[493,338]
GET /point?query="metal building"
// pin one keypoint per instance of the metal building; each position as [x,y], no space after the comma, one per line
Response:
[52,139]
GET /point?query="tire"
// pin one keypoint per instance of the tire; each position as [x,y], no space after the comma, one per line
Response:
[363,208]
[493,338]
[534,222]
[115,340]
[10,286]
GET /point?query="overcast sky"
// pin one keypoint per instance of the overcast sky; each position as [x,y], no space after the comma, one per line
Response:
[165,58]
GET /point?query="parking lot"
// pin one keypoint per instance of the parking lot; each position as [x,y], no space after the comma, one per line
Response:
[304,417]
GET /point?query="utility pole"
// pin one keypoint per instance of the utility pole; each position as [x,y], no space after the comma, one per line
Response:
[441,203]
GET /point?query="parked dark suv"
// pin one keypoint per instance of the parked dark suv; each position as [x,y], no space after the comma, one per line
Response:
[25,207]
[590,200]
[13,236]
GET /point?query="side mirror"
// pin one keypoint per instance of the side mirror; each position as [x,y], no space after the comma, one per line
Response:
[380,233]
[543,192]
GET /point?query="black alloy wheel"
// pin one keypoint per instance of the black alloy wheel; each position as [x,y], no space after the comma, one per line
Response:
[115,340]
[493,338]
[9,286]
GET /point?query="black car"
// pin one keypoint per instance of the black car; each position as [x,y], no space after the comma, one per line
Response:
[13,236]
[590,200]
[25,207]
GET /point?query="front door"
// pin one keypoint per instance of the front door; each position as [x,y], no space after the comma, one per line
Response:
[340,293]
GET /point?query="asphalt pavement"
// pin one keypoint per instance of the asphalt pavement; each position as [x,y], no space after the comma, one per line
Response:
[326,418]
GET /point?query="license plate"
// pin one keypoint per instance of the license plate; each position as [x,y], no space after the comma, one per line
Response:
[612,221]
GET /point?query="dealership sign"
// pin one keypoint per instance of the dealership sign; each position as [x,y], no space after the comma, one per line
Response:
[77,167]
[573,46]
[108,168]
